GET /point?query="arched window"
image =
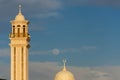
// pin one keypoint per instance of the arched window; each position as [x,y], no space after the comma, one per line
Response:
[13,29]
[18,32]
[23,30]
[18,25]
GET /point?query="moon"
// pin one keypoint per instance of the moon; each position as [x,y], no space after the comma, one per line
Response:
[56,51]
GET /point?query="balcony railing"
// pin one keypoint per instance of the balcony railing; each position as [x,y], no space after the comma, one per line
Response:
[14,35]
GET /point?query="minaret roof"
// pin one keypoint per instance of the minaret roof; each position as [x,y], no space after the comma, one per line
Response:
[20,16]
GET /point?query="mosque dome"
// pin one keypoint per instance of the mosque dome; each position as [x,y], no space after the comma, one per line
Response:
[64,74]
[19,17]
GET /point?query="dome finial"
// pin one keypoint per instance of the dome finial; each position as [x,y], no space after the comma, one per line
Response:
[20,17]
[20,8]
[64,62]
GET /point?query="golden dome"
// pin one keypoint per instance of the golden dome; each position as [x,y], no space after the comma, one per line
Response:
[64,74]
[19,17]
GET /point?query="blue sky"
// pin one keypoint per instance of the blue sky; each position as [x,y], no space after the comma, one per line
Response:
[85,32]
[83,26]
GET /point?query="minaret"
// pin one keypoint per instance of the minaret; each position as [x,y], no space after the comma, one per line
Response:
[19,44]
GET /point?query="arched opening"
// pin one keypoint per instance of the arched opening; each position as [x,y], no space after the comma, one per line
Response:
[18,32]
[23,30]
[13,29]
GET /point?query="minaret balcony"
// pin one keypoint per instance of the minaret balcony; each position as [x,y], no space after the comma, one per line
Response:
[19,35]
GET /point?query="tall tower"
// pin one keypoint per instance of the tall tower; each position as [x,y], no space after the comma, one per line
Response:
[19,44]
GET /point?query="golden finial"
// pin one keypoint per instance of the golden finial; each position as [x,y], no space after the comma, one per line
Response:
[20,8]
[64,62]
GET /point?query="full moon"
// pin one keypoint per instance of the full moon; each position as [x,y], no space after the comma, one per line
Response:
[56,51]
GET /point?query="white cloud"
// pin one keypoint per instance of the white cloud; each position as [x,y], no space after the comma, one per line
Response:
[46,15]
[42,8]
[4,70]
[115,3]
[42,71]
[44,4]
[81,49]
[6,51]
[48,70]
[31,9]
[87,48]
[40,52]
[36,28]
[57,51]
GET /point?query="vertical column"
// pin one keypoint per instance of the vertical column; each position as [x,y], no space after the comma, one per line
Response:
[20,58]
[18,65]
[25,63]
[22,63]
[12,63]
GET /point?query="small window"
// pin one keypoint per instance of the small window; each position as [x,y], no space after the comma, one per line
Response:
[24,30]
[13,29]
[23,25]
[18,25]
[18,32]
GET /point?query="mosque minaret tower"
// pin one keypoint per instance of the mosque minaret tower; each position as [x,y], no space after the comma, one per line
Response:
[19,44]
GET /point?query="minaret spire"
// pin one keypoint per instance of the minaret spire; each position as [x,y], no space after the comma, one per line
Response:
[64,62]
[20,9]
